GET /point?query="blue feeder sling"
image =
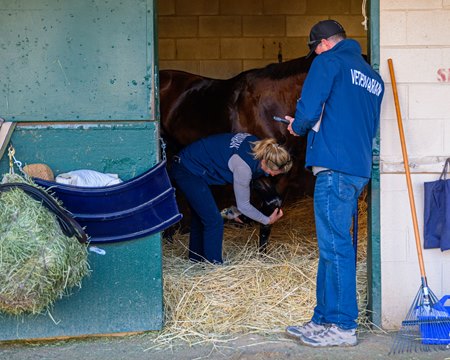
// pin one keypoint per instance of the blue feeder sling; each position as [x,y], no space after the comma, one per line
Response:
[135,208]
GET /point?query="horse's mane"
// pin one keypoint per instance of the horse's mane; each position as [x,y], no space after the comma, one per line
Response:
[276,71]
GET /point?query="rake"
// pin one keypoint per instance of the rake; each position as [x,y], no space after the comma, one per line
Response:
[427,323]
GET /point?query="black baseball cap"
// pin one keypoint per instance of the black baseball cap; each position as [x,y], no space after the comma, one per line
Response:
[322,30]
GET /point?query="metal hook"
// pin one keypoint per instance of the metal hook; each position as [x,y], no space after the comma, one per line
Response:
[163,148]
[13,161]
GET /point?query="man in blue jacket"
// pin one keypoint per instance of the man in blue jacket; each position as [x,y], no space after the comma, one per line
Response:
[339,112]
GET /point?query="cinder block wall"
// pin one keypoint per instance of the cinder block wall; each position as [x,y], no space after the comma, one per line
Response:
[415,35]
[221,38]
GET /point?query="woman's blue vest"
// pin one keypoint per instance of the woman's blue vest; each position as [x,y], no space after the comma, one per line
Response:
[208,157]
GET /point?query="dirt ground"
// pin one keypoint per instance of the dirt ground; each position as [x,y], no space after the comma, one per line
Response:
[245,347]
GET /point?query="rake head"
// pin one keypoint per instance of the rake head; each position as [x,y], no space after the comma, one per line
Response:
[426,327]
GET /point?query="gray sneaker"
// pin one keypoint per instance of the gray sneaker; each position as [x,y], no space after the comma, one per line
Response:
[309,328]
[332,336]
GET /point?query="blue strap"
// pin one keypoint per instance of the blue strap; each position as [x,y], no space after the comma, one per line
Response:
[445,170]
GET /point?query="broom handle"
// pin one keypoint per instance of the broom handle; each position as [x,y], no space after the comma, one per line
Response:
[408,174]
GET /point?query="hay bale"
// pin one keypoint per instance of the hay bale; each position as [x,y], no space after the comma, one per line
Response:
[41,171]
[38,263]
[252,292]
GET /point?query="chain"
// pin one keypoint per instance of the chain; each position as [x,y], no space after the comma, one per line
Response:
[364,14]
[163,148]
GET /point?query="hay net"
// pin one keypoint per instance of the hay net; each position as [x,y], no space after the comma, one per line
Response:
[38,263]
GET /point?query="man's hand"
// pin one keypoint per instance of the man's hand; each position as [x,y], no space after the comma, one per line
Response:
[275,216]
[289,128]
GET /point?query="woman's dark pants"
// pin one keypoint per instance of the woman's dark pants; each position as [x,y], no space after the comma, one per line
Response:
[205,241]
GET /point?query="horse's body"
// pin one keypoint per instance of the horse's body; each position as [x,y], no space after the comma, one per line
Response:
[193,107]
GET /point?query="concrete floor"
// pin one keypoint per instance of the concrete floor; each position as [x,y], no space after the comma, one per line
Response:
[245,347]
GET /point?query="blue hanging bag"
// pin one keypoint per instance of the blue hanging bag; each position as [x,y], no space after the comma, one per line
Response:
[437,212]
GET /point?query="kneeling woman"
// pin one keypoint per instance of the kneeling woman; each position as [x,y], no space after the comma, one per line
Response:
[218,160]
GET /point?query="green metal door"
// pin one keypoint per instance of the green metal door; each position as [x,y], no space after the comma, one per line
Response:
[374,260]
[77,60]
[85,71]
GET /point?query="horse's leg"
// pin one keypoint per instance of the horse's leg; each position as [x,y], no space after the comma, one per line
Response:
[264,234]
[168,233]
[270,201]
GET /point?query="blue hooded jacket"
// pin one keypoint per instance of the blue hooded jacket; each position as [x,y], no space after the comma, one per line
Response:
[342,87]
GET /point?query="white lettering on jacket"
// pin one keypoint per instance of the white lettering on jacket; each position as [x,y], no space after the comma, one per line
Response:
[371,85]
[237,140]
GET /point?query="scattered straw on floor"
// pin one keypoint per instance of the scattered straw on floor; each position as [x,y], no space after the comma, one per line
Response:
[251,292]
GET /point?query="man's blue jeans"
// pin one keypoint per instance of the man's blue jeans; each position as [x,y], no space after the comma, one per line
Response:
[335,201]
[206,235]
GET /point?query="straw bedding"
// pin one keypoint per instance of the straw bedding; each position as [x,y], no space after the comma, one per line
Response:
[251,292]
[38,263]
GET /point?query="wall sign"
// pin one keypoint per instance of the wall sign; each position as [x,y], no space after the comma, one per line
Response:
[443,75]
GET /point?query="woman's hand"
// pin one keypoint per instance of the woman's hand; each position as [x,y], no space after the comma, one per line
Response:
[275,216]
[238,220]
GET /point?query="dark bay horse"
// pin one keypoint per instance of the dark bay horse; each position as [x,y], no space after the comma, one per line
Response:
[193,106]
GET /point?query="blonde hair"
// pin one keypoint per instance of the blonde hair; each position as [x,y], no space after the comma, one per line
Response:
[276,156]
